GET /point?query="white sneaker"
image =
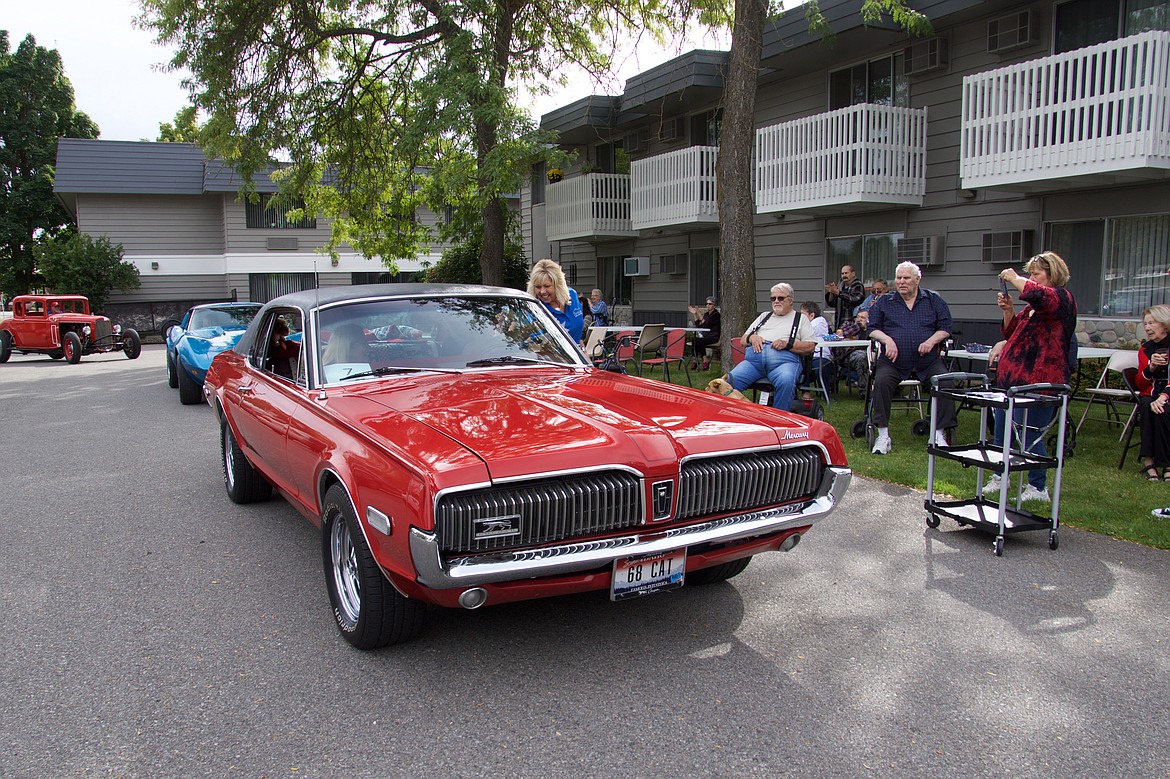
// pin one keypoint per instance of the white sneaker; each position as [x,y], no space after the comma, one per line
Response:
[883,444]
[1161,513]
[992,486]
[940,438]
[1031,493]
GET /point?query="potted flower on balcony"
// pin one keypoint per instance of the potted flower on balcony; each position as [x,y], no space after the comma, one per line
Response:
[555,175]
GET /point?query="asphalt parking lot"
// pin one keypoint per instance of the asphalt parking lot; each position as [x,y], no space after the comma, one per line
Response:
[153,628]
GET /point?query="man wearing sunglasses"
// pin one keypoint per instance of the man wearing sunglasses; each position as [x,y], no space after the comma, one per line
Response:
[774,347]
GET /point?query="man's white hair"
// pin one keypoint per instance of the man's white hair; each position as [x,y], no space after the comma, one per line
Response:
[914,269]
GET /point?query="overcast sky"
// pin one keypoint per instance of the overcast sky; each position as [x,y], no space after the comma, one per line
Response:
[118,80]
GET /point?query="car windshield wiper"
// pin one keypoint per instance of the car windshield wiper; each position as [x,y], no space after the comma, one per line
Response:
[391,370]
[510,359]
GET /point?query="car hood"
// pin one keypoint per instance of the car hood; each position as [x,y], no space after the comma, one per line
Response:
[520,422]
[199,347]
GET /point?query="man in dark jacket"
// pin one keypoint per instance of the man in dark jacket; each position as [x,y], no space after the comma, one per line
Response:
[844,297]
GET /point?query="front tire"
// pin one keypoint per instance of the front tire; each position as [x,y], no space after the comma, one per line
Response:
[190,392]
[172,374]
[72,348]
[5,345]
[243,482]
[718,573]
[131,344]
[367,609]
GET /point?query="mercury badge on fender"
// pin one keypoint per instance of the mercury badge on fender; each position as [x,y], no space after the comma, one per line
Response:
[456,448]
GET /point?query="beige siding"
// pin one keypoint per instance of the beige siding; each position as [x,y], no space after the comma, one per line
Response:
[154,224]
[180,288]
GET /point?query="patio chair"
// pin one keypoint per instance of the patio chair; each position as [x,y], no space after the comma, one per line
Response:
[1113,397]
[675,351]
[650,342]
[1129,377]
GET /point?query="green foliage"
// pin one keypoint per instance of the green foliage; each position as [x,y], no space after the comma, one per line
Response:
[79,265]
[460,265]
[185,128]
[382,107]
[36,108]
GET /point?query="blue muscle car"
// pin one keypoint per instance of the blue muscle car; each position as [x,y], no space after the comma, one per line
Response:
[205,331]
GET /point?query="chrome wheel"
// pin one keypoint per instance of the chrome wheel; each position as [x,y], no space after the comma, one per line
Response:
[345,574]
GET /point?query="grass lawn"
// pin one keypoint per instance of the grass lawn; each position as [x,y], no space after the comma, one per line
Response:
[1094,496]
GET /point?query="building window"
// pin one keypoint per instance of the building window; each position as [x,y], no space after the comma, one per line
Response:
[386,277]
[1119,266]
[706,128]
[880,81]
[265,214]
[539,176]
[871,256]
[616,287]
[1081,23]
[263,287]
[704,275]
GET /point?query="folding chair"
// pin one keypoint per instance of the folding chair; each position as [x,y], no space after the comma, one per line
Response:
[1129,377]
[674,351]
[650,342]
[1111,396]
[763,388]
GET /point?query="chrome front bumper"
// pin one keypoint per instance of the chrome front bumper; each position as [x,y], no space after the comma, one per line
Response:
[567,558]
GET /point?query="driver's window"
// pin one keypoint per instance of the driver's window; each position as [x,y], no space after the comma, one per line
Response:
[281,355]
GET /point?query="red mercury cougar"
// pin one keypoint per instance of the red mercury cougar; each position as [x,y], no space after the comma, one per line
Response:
[456,448]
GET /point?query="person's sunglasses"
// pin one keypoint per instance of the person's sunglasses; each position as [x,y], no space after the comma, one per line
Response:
[779,297]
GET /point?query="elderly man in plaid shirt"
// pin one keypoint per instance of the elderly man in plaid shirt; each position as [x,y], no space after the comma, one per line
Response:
[910,323]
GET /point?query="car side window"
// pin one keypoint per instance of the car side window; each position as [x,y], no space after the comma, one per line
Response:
[281,354]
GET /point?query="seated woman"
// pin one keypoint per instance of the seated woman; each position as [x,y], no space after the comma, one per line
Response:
[282,352]
[711,319]
[774,347]
[1151,381]
[347,352]
[822,361]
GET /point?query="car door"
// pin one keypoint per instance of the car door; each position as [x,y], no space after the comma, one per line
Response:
[266,402]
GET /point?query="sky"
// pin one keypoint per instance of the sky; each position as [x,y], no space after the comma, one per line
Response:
[119,80]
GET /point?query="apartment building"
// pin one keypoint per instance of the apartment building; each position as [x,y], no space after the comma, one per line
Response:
[1016,127]
[181,222]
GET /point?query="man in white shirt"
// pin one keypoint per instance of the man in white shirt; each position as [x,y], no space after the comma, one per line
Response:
[775,345]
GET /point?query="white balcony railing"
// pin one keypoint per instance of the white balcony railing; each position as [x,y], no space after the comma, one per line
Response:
[861,154]
[1098,110]
[676,188]
[588,206]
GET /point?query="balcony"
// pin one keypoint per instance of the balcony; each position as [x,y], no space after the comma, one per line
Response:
[676,189]
[592,206]
[863,156]
[1091,117]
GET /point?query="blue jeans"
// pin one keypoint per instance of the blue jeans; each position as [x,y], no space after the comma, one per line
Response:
[1038,419]
[781,368]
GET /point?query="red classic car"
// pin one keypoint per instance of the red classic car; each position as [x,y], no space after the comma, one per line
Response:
[62,326]
[457,448]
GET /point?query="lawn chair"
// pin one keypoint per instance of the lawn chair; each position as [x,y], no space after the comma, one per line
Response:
[675,351]
[1112,397]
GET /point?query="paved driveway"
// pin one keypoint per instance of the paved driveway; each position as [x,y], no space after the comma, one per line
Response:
[152,628]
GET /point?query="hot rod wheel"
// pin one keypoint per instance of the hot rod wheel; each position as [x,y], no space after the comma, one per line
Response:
[72,347]
[131,344]
[368,611]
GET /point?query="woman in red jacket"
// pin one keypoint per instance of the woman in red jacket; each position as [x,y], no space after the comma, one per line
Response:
[1151,383]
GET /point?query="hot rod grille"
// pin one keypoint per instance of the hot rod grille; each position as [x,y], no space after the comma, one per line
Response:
[101,329]
[748,481]
[538,511]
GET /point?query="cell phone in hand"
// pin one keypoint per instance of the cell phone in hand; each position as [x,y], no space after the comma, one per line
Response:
[1003,288]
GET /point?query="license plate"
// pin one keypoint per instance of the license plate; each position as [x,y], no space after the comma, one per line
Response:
[647,574]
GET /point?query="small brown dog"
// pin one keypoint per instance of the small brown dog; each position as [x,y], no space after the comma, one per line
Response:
[722,386]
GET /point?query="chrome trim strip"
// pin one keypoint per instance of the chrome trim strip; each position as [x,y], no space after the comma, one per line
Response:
[433,572]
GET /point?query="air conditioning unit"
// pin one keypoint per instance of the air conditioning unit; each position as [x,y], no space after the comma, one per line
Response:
[928,251]
[634,141]
[673,264]
[925,56]
[1007,248]
[281,243]
[636,266]
[672,129]
[1011,32]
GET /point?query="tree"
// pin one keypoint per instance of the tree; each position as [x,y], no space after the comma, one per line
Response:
[733,171]
[460,265]
[184,129]
[36,108]
[382,107]
[79,265]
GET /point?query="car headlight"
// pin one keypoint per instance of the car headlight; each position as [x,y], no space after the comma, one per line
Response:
[86,330]
[117,329]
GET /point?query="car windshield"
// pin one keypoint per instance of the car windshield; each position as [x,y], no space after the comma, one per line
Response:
[423,333]
[234,317]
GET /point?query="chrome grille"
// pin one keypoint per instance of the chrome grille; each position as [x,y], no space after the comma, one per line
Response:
[548,510]
[101,329]
[740,482]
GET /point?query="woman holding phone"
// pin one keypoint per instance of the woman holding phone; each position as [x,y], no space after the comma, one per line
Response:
[1151,381]
[1036,351]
